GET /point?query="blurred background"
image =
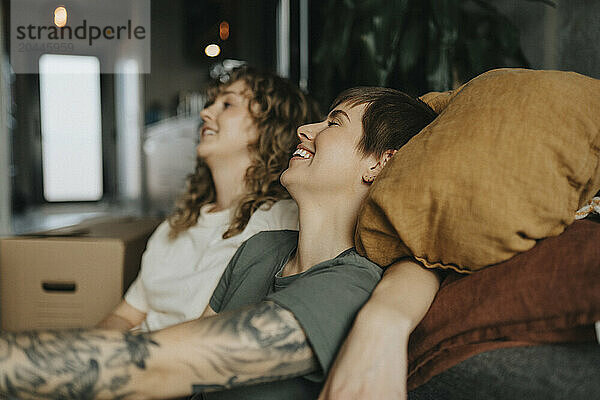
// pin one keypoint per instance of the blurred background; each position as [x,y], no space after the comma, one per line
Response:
[143,127]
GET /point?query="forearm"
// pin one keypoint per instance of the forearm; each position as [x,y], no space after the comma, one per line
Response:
[258,344]
[262,343]
[72,364]
[402,297]
[115,322]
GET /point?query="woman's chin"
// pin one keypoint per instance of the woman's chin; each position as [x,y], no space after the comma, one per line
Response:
[283,178]
[203,151]
[294,181]
[289,178]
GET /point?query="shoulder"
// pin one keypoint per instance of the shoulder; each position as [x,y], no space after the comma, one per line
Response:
[279,208]
[160,234]
[283,206]
[263,249]
[266,240]
[282,214]
[267,245]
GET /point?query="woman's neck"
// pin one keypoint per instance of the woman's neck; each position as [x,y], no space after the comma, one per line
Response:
[230,185]
[326,230]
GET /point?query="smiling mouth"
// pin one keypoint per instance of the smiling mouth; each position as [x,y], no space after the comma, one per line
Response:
[208,132]
[302,153]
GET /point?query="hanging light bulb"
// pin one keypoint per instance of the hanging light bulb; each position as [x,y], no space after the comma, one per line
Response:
[212,50]
[224,30]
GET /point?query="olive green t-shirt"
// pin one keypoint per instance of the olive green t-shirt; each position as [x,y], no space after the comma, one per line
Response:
[324,299]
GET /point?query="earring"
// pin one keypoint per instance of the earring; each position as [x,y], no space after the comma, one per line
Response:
[368,180]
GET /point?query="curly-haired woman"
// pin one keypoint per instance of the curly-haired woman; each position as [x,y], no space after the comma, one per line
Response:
[247,138]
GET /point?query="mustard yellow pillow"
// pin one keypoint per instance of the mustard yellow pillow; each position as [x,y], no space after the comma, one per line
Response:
[511,157]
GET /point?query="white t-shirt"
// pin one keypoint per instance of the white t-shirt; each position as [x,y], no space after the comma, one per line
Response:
[178,277]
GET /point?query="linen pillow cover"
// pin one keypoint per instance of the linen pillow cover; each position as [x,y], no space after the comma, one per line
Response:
[511,157]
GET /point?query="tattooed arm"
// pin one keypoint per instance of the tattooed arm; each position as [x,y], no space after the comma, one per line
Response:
[258,344]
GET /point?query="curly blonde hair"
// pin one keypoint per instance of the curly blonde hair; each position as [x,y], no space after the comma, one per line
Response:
[277,108]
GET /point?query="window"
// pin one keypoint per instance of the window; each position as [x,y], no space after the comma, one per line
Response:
[71,128]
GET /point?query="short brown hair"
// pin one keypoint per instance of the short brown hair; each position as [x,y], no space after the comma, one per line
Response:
[391,117]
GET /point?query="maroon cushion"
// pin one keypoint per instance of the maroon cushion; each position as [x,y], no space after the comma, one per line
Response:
[548,294]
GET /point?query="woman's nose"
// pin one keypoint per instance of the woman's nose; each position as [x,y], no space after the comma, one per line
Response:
[307,132]
[206,114]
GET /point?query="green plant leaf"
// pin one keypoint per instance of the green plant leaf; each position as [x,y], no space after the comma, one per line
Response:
[415,45]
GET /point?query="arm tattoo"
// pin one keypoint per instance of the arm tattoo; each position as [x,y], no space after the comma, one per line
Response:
[70,364]
[258,344]
[264,343]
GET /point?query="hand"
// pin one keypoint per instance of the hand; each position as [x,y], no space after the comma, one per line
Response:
[372,362]
[123,318]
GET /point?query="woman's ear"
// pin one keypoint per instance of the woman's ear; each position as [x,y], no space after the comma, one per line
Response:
[377,166]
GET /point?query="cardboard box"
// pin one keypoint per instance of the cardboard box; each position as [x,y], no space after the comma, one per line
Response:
[70,277]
